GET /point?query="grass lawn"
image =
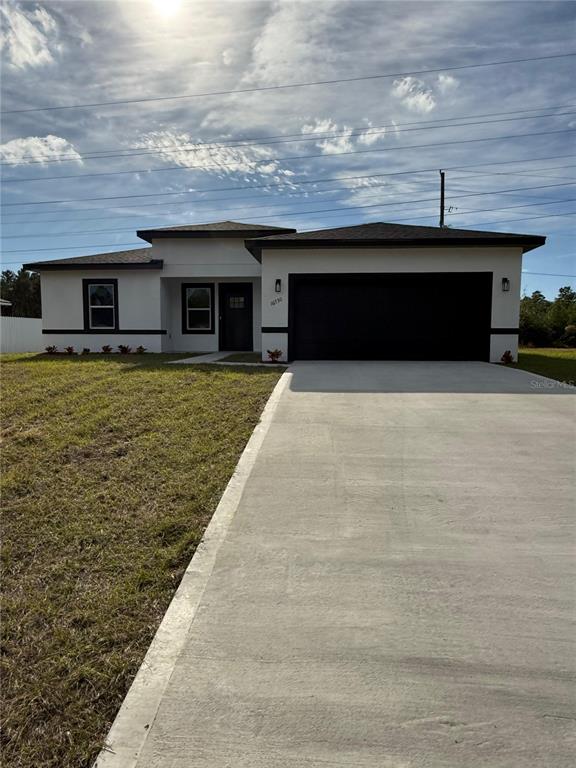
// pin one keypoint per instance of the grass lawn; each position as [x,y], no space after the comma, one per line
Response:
[559,364]
[112,468]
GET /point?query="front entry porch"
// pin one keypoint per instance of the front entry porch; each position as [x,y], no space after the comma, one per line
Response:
[211,314]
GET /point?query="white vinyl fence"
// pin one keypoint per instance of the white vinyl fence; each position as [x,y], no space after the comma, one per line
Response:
[20,334]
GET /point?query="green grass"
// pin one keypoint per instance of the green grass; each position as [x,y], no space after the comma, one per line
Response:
[112,468]
[559,364]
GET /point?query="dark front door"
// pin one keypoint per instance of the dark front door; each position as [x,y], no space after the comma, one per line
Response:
[235,315]
[431,316]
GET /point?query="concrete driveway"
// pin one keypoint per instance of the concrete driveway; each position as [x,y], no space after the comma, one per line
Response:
[395,589]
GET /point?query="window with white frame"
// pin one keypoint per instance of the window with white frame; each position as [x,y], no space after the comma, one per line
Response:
[100,305]
[198,308]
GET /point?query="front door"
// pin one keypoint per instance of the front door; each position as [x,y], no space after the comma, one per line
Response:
[235,316]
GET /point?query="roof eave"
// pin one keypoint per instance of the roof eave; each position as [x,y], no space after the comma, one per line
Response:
[526,242]
[158,234]
[47,266]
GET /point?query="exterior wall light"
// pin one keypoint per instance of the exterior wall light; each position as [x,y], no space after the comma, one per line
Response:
[278,285]
[505,284]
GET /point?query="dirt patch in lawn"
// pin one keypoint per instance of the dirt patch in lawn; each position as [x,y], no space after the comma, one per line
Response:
[112,468]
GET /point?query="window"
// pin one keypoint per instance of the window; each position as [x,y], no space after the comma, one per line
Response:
[236,302]
[100,305]
[197,308]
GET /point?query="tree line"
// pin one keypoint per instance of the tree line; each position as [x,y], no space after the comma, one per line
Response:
[22,290]
[545,323]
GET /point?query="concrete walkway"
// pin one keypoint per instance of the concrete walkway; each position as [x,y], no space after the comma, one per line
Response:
[395,589]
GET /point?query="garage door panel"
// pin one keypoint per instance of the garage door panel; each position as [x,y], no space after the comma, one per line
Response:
[390,316]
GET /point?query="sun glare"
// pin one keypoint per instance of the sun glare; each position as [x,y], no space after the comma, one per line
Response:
[167,8]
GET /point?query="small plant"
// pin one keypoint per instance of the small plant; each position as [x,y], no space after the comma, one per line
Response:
[85,351]
[507,358]
[140,350]
[69,350]
[274,355]
[52,349]
[124,349]
[106,349]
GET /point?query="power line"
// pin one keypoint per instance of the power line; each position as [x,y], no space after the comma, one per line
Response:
[265,161]
[370,130]
[546,274]
[286,215]
[284,159]
[334,81]
[267,204]
[376,205]
[273,185]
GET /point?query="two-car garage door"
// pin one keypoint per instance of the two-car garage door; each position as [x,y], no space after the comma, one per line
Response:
[415,316]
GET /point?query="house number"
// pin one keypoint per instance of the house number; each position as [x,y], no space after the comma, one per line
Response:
[275,301]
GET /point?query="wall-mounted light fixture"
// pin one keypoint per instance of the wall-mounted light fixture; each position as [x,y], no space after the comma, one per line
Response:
[278,285]
[505,284]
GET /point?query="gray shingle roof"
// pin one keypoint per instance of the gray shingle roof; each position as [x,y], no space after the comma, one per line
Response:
[136,258]
[214,229]
[380,233]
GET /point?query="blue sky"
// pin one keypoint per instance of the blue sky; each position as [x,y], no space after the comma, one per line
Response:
[196,159]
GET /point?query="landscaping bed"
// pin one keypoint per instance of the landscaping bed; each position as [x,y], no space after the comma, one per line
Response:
[112,468]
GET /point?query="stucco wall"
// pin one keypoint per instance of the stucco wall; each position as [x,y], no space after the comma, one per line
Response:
[139,308]
[205,257]
[176,341]
[502,262]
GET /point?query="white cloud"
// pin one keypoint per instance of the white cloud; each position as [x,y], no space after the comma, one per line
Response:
[371,135]
[229,57]
[414,94]
[447,83]
[29,38]
[333,144]
[221,160]
[37,148]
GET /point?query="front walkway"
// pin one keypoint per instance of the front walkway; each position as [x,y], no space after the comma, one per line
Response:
[395,588]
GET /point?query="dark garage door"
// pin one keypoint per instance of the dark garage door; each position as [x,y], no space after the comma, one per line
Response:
[431,316]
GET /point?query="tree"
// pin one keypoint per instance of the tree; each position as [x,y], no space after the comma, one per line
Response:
[544,322]
[22,289]
[533,320]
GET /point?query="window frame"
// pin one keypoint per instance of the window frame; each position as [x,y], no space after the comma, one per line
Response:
[211,310]
[86,283]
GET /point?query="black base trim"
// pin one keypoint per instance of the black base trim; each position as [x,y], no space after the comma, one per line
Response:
[105,332]
[502,331]
[275,329]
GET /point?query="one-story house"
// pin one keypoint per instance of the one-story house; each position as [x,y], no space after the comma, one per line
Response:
[372,291]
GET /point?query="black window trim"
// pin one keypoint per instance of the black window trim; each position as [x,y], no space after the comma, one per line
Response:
[86,283]
[185,329]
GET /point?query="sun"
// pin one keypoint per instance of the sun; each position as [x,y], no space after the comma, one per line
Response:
[167,8]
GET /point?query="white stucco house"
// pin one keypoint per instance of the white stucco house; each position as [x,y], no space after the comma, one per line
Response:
[372,291]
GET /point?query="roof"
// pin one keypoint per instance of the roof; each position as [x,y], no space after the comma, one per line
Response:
[138,258]
[381,234]
[214,229]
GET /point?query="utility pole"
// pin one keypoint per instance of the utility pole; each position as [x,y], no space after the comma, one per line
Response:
[441,198]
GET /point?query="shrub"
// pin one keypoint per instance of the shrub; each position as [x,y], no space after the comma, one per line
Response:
[274,355]
[124,349]
[69,350]
[106,349]
[140,350]
[85,351]
[52,349]
[507,358]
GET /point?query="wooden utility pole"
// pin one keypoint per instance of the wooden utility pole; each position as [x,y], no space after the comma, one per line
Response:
[441,198]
